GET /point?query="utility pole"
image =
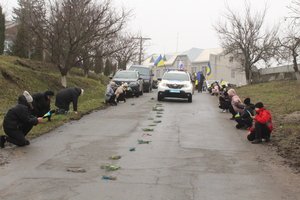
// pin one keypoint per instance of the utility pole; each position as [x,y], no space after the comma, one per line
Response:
[142,39]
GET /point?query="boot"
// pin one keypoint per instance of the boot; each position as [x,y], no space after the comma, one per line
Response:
[256,141]
[2,141]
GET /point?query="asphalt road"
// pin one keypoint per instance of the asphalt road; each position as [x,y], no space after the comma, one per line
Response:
[195,153]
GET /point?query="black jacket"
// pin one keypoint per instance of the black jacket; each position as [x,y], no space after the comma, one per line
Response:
[19,115]
[41,104]
[248,112]
[66,96]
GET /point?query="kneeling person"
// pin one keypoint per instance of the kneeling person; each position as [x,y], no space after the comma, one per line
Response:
[263,125]
[65,97]
[121,92]
[18,122]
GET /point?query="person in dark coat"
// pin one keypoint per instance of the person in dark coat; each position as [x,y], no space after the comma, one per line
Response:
[224,101]
[65,97]
[41,103]
[245,120]
[201,79]
[18,122]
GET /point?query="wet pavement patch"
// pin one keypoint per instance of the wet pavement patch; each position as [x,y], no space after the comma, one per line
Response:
[76,170]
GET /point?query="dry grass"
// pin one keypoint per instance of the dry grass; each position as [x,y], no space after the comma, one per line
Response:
[39,77]
[282,98]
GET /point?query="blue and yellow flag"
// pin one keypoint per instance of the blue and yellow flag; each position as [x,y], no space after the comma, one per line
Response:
[161,63]
[208,70]
[156,62]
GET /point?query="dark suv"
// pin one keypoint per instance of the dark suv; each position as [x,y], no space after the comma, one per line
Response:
[132,78]
[146,74]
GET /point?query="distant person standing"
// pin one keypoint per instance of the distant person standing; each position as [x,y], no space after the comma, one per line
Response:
[67,96]
[200,80]
[18,122]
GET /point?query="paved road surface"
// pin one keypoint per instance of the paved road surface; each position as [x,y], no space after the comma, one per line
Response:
[195,153]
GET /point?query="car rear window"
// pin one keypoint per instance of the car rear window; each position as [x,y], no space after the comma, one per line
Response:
[141,70]
[126,75]
[176,77]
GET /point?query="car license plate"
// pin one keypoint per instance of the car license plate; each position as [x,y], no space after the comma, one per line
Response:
[175,91]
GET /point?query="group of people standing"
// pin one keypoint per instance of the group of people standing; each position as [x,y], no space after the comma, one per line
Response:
[253,117]
[31,110]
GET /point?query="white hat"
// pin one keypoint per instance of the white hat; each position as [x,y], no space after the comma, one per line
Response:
[113,84]
[28,97]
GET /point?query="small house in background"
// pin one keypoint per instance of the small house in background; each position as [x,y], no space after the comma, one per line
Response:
[213,62]
[11,30]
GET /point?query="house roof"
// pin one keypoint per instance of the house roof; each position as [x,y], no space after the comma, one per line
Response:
[204,55]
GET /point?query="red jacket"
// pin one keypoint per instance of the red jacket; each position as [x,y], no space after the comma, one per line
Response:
[263,116]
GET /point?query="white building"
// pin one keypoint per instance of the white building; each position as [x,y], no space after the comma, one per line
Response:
[213,62]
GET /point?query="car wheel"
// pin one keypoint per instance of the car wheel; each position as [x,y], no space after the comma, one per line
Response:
[190,99]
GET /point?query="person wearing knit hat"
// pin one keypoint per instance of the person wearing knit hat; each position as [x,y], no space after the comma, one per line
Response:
[41,103]
[110,96]
[28,97]
[18,121]
[245,119]
[263,125]
[67,96]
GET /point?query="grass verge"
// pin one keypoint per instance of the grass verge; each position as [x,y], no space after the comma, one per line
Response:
[17,75]
[282,98]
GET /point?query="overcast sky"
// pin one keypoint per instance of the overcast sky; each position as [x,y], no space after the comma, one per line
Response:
[187,21]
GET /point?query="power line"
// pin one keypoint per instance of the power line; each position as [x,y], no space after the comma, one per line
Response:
[142,39]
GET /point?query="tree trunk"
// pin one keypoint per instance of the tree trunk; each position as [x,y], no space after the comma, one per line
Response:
[297,76]
[295,65]
[63,72]
[64,81]
[248,72]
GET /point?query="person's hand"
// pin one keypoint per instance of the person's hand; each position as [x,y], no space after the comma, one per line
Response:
[76,112]
[40,120]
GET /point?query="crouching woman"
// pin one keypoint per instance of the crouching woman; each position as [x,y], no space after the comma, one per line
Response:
[263,125]
[18,122]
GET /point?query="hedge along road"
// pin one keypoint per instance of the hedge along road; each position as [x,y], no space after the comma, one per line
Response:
[194,153]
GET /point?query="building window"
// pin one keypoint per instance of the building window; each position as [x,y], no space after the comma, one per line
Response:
[231,59]
[232,73]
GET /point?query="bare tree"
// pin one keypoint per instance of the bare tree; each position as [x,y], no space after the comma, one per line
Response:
[289,47]
[73,29]
[243,37]
[290,43]
[128,50]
